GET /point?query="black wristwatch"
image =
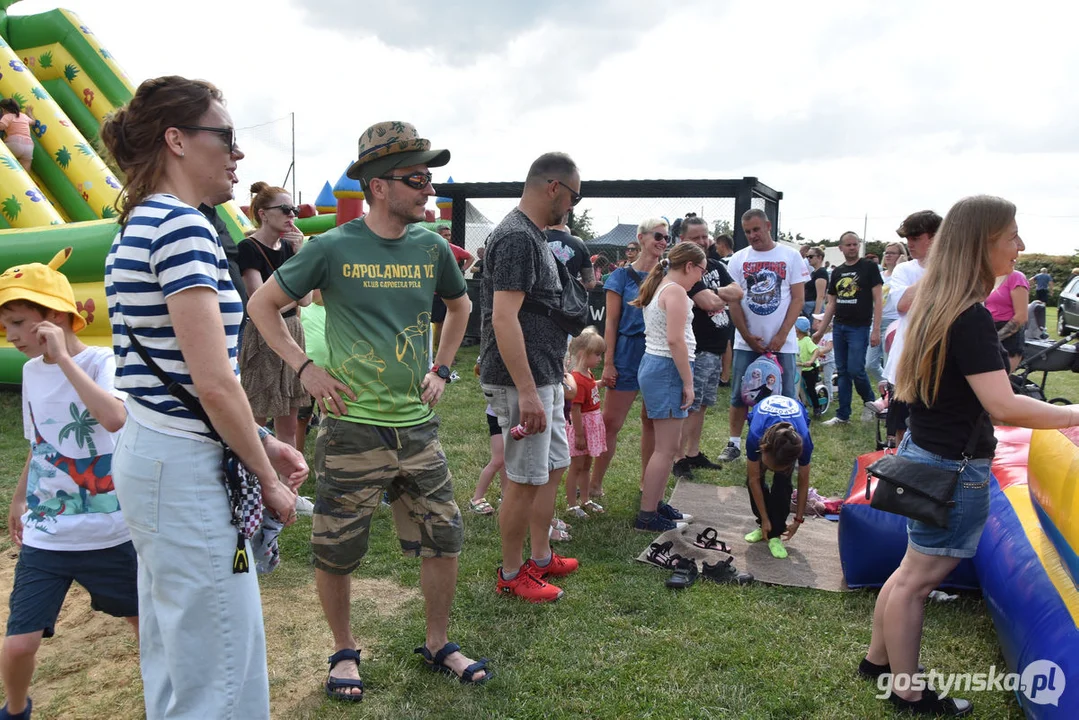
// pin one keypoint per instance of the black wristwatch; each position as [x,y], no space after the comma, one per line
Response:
[442,371]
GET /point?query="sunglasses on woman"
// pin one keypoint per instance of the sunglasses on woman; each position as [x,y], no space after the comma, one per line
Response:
[228,135]
[417,180]
[286,209]
[662,236]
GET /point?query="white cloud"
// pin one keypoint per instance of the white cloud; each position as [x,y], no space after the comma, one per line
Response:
[849,109]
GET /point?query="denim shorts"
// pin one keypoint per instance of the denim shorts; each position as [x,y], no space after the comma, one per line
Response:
[628,351]
[43,577]
[965,520]
[661,388]
[707,369]
[532,459]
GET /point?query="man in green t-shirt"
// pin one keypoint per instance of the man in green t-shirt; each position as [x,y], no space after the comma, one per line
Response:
[378,275]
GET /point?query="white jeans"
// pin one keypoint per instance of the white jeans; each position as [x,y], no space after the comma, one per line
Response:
[202,642]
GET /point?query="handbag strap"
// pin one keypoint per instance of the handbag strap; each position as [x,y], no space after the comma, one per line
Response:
[968,451]
[266,257]
[175,389]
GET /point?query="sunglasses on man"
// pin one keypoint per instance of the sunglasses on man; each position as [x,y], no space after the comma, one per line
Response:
[227,134]
[573,193]
[417,180]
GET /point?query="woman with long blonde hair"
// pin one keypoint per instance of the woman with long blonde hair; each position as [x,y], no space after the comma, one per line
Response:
[952,372]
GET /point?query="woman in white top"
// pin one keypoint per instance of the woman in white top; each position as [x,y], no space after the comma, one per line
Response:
[202,640]
[666,374]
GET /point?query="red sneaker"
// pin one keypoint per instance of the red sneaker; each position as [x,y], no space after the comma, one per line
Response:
[528,586]
[558,567]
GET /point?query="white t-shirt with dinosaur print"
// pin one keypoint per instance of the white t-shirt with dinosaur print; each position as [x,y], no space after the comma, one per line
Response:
[71,502]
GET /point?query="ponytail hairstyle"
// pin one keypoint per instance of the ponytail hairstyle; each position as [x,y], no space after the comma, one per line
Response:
[262,194]
[134,135]
[782,444]
[681,255]
[589,341]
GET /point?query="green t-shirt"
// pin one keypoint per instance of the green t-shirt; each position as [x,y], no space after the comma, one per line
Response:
[806,348]
[313,318]
[377,294]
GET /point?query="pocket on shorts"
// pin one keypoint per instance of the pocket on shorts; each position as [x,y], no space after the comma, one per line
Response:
[138,489]
[498,399]
[975,477]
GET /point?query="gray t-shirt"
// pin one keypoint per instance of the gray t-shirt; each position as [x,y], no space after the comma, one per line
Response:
[518,259]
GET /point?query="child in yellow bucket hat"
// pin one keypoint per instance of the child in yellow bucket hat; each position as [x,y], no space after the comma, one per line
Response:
[43,286]
[64,514]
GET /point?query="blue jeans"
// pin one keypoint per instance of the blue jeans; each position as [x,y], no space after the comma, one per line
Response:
[875,357]
[850,346]
[202,645]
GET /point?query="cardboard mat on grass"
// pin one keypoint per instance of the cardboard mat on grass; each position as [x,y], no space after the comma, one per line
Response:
[812,556]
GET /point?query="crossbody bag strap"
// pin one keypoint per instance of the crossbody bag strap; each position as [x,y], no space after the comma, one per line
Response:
[537,308]
[266,257]
[968,451]
[175,389]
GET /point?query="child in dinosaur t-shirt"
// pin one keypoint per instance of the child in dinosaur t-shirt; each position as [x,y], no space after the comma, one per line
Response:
[64,515]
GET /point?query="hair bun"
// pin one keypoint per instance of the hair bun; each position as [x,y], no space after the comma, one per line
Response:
[258,187]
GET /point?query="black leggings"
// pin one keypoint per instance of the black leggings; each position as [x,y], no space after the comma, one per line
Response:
[777,502]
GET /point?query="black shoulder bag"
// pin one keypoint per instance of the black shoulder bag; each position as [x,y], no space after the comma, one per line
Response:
[244,491]
[571,315]
[915,490]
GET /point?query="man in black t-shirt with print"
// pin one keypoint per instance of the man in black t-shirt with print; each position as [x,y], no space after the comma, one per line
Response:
[855,301]
[713,331]
[571,251]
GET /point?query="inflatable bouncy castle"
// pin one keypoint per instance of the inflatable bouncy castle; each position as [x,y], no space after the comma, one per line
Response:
[57,67]
[1027,564]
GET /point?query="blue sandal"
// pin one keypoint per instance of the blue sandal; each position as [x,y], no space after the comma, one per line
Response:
[334,686]
[437,663]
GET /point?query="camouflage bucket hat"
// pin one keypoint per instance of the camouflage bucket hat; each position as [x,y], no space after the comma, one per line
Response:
[388,145]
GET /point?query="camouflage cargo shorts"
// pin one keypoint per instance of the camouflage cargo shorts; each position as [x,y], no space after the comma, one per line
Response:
[354,464]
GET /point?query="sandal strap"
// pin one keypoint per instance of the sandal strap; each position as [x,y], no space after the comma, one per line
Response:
[346,654]
[707,536]
[448,649]
[470,672]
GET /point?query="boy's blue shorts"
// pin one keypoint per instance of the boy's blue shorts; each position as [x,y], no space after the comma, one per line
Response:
[43,577]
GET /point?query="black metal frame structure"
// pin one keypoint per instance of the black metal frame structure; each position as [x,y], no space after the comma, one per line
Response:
[743,191]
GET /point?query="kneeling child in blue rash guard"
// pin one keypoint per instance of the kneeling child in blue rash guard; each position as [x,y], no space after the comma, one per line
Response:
[778,440]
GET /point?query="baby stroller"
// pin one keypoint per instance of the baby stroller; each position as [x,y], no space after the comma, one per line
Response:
[1045,357]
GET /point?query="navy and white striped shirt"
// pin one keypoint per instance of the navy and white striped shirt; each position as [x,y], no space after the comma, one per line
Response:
[166,247]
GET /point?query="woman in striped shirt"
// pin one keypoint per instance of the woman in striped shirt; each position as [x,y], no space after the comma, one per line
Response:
[166,280]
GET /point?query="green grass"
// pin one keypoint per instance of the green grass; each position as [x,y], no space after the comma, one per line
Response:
[619,644]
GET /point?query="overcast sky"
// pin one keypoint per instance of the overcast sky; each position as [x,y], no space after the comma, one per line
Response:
[848,108]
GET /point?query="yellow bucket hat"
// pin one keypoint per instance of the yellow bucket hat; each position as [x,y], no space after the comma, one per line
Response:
[44,285]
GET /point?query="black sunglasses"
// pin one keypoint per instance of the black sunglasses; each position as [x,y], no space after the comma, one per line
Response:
[227,134]
[662,236]
[286,209]
[576,195]
[417,180]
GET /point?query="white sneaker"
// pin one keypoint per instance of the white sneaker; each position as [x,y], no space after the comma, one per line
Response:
[835,421]
[304,506]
